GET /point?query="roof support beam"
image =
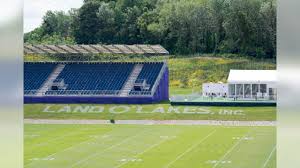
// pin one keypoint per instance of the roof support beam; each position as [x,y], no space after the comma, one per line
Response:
[96,49]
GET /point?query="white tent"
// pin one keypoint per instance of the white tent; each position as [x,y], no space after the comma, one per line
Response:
[252,83]
[252,76]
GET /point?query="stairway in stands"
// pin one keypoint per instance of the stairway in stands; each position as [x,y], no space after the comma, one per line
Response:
[44,88]
[131,80]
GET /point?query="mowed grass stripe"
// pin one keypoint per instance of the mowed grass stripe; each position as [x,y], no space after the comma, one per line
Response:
[208,149]
[144,151]
[269,157]
[157,146]
[168,151]
[43,133]
[231,149]
[199,156]
[55,135]
[189,149]
[102,151]
[73,146]
[79,136]
[85,149]
[132,149]
[57,138]
[253,148]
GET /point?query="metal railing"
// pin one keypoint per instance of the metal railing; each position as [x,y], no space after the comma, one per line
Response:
[140,93]
[140,81]
[82,92]
[85,93]
[74,92]
[30,92]
[200,97]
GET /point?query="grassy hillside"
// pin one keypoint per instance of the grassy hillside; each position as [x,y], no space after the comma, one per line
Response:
[187,74]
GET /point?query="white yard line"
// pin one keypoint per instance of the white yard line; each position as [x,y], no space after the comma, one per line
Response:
[50,130]
[146,150]
[97,153]
[189,149]
[231,149]
[54,139]
[70,147]
[269,157]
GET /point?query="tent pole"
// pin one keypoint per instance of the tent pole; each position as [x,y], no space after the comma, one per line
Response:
[243,90]
[235,90]
[251,91]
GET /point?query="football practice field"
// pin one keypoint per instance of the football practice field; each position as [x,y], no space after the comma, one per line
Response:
[148,146]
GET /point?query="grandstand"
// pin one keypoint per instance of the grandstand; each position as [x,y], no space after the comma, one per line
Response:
[95,82]
[35,75]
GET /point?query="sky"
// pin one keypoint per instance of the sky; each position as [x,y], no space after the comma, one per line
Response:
[10,10]
[34,10]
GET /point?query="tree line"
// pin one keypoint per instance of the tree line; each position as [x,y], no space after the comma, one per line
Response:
[245,27]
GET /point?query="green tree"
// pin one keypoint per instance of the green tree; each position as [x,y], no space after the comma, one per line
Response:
[268,22]
[56,26]
[34,36]
[107,25]
[217,8]
[56,22]
[245,27]
[87,24]
[187,27]
[249,27]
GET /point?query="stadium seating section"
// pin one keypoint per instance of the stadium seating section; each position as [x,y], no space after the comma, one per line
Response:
[35,74]
[97,77]
[149,73]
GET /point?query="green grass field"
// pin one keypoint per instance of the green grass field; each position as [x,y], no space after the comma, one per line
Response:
[150,112]
[152,146]
[183,91]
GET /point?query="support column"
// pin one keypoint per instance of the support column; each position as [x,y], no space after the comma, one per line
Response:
[251,91]
[267,91]
[243,90]
[235,90]
[258,91]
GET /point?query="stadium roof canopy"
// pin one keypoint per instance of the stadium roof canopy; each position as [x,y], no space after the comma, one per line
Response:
[96,49]
[252,76]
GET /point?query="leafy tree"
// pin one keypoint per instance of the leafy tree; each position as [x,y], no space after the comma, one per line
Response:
[245,27]
[87,24]
[56,23]
[217,8]
[56,26]
[34,36]
[147,24]
[128,30]
[268,20]
[187,27]
[57,39]
[106,20]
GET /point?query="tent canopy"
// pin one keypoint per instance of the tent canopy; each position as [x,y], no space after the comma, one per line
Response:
[252,76]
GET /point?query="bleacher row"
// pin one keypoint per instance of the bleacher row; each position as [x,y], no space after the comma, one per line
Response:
[148,73]
[35,74]
[92,77]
